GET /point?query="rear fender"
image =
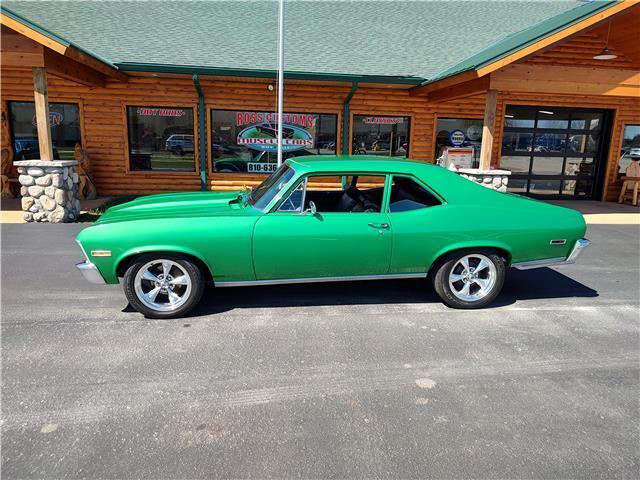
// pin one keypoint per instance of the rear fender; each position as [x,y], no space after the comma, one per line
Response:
[472,244]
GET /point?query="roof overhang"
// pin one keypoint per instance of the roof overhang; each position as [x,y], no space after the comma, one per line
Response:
[255,73]
[60,49]
[468,80]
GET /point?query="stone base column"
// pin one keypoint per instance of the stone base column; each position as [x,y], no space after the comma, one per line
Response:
[494,179]
[49,190]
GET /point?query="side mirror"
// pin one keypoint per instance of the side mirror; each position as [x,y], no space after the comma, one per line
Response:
[311,210]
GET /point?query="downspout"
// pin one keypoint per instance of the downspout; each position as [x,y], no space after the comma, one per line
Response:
[346,118]
[202,145]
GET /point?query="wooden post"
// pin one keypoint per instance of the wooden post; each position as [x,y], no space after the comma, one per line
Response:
[42,113]
[488,129]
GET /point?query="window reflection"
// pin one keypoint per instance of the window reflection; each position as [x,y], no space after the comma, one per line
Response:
[380,135]
[161,138]
[459,132]
[630,148]
[555,148]
[246,141]
[65,130]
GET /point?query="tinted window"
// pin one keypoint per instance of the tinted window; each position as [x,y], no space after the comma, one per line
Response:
[161,138]
[407,194]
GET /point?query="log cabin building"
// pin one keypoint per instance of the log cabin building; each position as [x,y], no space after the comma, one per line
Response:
[167,96]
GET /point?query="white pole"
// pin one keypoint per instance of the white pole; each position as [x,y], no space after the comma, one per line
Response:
[280,78]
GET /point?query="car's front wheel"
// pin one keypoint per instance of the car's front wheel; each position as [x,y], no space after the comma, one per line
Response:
[470,279]
[163,285]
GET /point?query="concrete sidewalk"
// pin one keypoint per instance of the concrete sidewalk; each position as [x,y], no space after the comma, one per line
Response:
[603,213]
[11,210]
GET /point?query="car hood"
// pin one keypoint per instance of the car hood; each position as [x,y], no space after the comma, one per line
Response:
[177,205]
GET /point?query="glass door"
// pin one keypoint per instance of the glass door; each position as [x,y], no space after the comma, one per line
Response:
[554,152]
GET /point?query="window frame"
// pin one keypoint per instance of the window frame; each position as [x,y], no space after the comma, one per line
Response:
[63,100]
[357,113]
[419,182]
[196,142]
[209,129]
[304,178]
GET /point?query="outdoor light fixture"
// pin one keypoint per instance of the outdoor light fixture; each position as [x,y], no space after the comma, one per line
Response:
[546,112]
[508,116]
[606,54]
[270,87]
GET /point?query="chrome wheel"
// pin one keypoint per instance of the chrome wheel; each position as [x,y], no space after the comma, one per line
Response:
[162,285]
[473,277]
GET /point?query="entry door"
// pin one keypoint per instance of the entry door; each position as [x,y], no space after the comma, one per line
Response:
[553,151]
[291,245]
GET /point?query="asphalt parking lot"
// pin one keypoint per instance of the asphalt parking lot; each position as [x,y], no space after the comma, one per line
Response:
[372,379]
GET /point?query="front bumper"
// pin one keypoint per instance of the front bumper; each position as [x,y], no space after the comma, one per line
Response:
[90,272]
[578,248]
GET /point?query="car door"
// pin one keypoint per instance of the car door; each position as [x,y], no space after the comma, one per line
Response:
[293,244]
[422,225]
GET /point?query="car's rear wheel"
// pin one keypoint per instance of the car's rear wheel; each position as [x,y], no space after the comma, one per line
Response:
[163,285]
[470,279]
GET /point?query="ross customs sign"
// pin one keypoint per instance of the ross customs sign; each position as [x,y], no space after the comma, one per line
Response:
[263,135]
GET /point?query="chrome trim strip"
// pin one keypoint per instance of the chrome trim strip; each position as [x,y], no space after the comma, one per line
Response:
[90,273]
[578,248]
[545,262]
[285,281]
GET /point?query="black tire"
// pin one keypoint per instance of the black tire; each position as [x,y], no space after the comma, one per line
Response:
[444,270]
[196,277]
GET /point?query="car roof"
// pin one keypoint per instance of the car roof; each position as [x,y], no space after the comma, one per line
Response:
[358,163]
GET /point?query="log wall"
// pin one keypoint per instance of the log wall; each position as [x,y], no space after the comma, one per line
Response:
[103,121]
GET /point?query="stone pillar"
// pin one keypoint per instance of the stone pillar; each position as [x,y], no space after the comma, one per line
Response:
[49,190]
[494,179]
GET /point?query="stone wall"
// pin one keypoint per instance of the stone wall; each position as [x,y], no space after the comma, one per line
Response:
[49,190]
[494,179]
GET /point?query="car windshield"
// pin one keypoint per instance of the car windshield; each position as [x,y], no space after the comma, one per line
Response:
[262,195]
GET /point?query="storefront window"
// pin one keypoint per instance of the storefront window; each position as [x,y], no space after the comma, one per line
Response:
[551,150]
[630,147]
[65,130]
[161,138]
[459,132]
[380,135]
[247,141]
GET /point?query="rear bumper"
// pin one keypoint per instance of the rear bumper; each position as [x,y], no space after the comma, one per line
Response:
[578,248]
[90,273]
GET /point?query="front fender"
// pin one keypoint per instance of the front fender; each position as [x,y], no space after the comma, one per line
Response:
[152,249]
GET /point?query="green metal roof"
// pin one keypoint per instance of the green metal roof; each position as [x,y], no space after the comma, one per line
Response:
[355,40]
[523,38]
[51,35]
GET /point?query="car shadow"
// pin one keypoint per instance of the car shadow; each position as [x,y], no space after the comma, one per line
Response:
[541,283]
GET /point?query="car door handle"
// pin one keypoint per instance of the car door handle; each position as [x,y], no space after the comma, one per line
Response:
[379,225]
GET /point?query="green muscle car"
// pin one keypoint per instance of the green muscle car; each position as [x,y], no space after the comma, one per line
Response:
[328,218]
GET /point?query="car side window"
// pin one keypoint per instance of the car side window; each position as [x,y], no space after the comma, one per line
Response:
[407,194]
[347,193]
